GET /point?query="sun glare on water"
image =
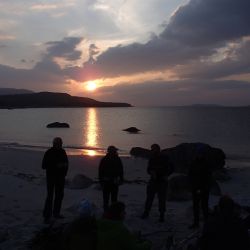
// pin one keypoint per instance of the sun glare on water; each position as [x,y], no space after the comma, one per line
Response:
[91,86]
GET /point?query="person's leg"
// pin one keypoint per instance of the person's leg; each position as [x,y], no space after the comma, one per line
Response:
[106,195]
[196,207]
[47,211]
[114,193]
[162,196]
[204,202]
[151,190]
[59,193]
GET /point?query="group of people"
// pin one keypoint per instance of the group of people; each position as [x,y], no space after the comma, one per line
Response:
[111,176]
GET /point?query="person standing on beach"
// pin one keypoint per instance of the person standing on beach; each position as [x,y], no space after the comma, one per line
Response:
[200,177]
[159,169]
[110,175]
[55,162]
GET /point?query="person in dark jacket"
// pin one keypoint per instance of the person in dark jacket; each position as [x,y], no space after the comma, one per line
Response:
[110,175]
[159,168]
[55,162]
[225,229]
[200,176]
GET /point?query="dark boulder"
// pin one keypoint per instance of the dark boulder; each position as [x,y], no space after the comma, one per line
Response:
[58,125]
[179,188]
[80,181]
[140,152]
[183,154]
[132,130]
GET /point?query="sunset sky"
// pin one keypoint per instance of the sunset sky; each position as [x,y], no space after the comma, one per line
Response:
[151,52]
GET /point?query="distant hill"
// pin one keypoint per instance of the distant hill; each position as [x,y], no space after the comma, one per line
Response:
[52,100]
[10,91]
[206,105]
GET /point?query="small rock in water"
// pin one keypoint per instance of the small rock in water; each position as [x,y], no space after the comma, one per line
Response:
[132,130]
[58,125]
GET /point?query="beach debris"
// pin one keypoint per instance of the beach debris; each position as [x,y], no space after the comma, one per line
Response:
[80,181]
[132,130]
[58,125]
[3,234]
[26,177]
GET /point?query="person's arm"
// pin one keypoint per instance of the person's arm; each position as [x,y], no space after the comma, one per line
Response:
[120,170]
[150,168]
[45,161]
[66,162]
[100,170]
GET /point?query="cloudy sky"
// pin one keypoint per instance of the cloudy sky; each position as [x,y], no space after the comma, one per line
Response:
[153,52]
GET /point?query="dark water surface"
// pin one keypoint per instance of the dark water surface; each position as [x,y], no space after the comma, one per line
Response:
[96,128]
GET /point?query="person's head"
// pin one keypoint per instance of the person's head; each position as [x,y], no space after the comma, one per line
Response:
[116,211]
[226,205]
[86,209]
[155,149]
[112,150]
[57,142]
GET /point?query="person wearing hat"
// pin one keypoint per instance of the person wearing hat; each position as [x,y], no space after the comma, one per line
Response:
[55,162]
[110,175]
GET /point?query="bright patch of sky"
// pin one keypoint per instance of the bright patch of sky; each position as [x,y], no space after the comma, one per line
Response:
[172,51]
[25,26]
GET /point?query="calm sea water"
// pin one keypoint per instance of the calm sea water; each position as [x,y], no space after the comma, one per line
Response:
[96,128]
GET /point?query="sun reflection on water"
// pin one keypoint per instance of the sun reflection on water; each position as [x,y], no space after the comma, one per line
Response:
[92,131]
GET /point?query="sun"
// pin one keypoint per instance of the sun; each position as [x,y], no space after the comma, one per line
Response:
[91,86]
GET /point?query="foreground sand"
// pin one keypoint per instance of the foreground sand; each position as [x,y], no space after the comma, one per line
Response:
[23,190]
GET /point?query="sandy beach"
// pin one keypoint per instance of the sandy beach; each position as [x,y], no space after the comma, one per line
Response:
[23,191]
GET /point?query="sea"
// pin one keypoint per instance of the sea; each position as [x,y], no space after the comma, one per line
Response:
[92,130]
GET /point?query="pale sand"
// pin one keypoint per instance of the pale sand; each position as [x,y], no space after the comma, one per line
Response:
[23,191]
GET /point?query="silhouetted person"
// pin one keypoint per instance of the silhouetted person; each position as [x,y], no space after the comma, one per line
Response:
[225,230]
[159,169]
[200,174]
[113,235]
[55,161]
[81,233]
[110,175]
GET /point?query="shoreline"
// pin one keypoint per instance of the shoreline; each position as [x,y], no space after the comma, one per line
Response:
[71,150]
[244,159]
[23,191]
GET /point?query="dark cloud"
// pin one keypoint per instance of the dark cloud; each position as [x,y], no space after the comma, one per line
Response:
[236,61]
[188,45]
[208,22]
[65,48]
[46,74]
[195,31]
[35,79]
[184,92]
